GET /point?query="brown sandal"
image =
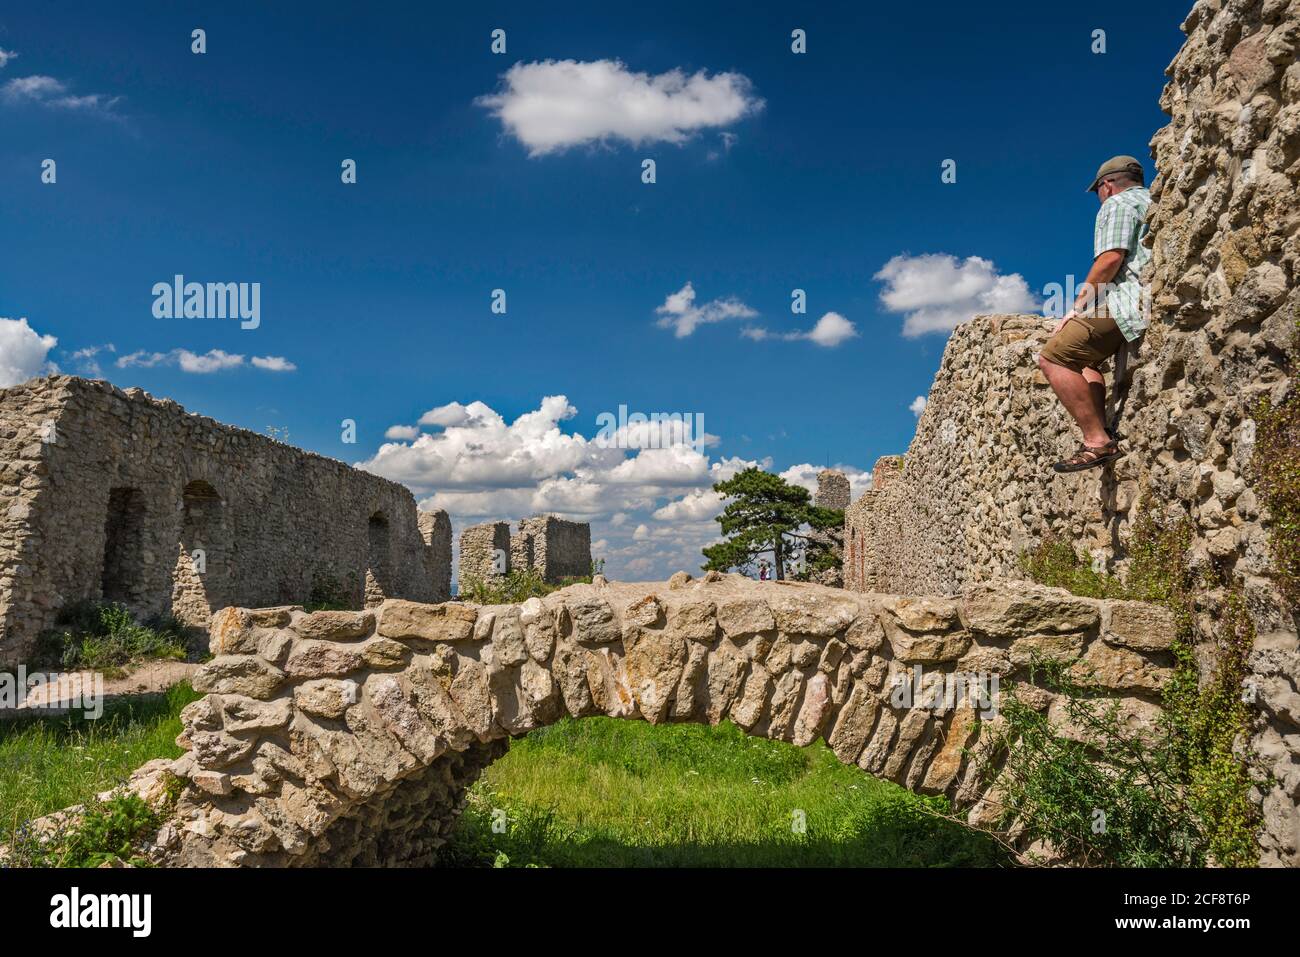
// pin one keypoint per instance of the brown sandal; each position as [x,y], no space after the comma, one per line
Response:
[1089,457]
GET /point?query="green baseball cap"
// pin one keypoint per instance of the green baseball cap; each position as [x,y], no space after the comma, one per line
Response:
[1118,164]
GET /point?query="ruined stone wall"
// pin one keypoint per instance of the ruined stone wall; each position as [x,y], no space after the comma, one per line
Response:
[435,528]
[833,490]
[975,488]
[1225,234]
[554,548]
[478,547]
[560,549]
[116,505]
[341,738]
[1226,258]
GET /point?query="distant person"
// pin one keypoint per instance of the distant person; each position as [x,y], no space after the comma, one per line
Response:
[1108,312]
[764,570]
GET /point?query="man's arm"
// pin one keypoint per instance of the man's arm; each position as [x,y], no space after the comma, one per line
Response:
[1104,269]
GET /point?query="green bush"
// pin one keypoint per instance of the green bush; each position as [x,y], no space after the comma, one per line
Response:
[106,637]
[107,830]
[1179,798]
[1113,798]
[514,587]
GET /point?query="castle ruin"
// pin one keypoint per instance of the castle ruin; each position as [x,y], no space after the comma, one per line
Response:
[112,495]
[552,547]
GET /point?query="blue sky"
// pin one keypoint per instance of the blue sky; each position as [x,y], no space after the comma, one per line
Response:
[774,171]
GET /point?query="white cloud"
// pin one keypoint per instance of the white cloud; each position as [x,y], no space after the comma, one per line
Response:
[918,405]
[402,432]
[214,360]
[6,56]
[651,509]
[24,353]
[51,92]
[937,292]
[680,313]
[830,331]
[553,105]
[87,360]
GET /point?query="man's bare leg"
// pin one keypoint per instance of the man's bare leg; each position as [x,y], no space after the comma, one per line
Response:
[1097,382]
[1081,399]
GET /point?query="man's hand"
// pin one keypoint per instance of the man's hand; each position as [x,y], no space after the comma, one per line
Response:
[1064,319]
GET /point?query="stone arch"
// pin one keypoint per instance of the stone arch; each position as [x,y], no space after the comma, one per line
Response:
[350,737]
[203,554]
[123,571]
[379,559]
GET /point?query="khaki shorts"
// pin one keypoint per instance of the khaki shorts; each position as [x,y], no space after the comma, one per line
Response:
[1084,342]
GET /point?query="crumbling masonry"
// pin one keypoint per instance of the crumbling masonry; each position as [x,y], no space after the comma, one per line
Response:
[554,548]
[974,490]
[117,496]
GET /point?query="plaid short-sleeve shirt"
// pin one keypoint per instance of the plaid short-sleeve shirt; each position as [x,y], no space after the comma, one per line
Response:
[1121,224]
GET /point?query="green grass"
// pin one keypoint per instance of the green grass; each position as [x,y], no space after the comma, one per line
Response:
[595,792]
[47,764]
[602,792]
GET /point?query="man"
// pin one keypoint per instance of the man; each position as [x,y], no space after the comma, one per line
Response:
[1108,312]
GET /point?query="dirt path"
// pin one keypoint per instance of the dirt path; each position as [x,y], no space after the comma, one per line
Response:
[55,698]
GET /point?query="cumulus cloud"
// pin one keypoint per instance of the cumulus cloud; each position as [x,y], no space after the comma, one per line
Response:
[652,509]
[918,405]
[937,292]
[51,92]
[681,314]
[24,353]
[553,105]
[6,56]
[214,360]
[830,331]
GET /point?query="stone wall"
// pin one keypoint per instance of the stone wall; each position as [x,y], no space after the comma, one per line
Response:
[976,487]
[833,490]
[341,738]
[435,529]
[553,548]
[108,495]
[479,545]
[559,549]
[1225,234]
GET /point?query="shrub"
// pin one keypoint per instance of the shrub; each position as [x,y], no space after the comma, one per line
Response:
[515,586]
[105,637]
[1178,797]
[107,830]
